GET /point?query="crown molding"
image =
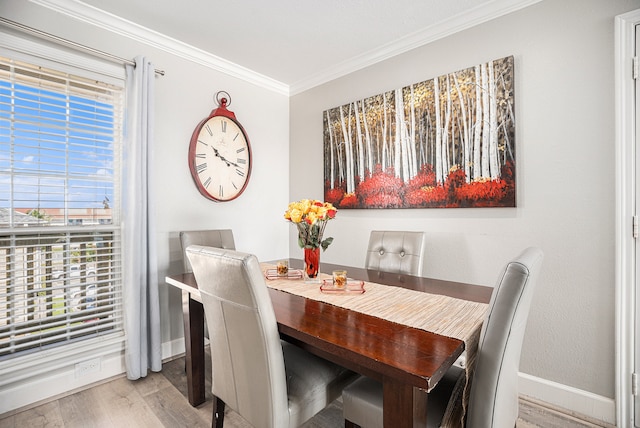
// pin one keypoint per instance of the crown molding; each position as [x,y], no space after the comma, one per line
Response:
[107,21]
[460,22]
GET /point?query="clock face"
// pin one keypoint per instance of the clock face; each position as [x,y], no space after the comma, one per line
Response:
[220,158]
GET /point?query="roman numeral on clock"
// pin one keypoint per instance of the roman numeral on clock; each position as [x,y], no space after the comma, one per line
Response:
[201,167]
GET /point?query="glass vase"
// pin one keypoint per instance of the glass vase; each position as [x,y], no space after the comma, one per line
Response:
[311,264]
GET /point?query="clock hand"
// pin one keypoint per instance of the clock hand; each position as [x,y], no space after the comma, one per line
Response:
[222,158]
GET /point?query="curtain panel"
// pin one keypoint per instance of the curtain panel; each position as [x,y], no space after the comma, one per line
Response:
[141,301]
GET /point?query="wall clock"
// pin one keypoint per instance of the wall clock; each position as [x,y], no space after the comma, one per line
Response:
[220,154]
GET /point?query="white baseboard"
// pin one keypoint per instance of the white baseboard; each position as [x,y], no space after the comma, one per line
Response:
[173,348]
[57,383]
[61,382]
[575,400]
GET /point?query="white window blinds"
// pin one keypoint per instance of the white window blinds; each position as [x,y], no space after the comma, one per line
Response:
[60,264]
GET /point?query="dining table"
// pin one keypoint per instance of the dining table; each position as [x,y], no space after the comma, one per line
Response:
[407,360]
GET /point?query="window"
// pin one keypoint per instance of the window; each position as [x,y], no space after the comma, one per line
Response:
[60,264]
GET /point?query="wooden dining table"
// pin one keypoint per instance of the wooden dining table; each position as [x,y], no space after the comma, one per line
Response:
[406,360]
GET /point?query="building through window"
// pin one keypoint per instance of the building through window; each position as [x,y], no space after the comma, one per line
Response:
[60,263]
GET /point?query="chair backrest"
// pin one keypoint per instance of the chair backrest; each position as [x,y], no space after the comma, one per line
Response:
[249,373]
[494,388]
[222,238]
[395,251]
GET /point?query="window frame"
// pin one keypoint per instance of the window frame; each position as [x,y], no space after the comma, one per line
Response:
[30,365]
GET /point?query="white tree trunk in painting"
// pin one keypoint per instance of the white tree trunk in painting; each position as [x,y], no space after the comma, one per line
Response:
[477,130]
[396,140]
[348,172]
[493,126]
[486,122]
[349,146]
[446,160]
[359,138]
[332,177]
[384,132]
[401,162]
[368,139]
[438,142]
[465,129]
[413,163]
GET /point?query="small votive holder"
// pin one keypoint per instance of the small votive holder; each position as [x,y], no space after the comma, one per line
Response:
[283,268]
[339,278]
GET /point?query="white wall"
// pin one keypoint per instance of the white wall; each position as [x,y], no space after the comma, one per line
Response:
[184,96]
[565,186]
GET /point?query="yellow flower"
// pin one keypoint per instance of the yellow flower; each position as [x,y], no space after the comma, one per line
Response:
[296,215]
[311,217]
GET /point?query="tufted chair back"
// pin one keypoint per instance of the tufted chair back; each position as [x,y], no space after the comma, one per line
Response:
[222,238]
[396,252]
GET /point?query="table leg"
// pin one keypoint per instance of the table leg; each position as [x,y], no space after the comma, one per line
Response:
[193,317]
[404,405]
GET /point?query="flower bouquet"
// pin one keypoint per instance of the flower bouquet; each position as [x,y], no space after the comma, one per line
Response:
[310,217]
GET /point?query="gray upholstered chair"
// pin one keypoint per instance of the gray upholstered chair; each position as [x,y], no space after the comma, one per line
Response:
[493,401]
[220,238]
[395,252]
[269,382]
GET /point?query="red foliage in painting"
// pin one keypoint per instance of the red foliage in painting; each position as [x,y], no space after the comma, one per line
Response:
[333,195]
[426,177]
[456,178]
[381,200]
[483,190]
[426,196]
[350,200]
[382,190]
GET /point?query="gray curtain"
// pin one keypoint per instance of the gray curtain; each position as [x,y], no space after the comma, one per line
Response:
[140,265]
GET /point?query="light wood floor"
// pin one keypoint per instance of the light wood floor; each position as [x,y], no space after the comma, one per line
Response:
[159,400]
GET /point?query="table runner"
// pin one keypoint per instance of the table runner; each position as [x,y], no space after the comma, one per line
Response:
[443,315]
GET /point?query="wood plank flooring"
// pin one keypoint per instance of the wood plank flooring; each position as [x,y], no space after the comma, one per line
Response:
[159,400]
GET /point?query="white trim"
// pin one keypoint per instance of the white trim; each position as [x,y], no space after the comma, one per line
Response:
[625,208]
[21,392]
[22,387]
[460,22]
[173,349]
[105,20]
[568,398]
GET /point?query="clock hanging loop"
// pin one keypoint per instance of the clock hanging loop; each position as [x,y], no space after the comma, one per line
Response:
[221,100]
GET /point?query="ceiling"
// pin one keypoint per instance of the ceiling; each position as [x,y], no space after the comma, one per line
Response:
[294,43]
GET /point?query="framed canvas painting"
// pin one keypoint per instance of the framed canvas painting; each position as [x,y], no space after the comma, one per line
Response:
[448,142]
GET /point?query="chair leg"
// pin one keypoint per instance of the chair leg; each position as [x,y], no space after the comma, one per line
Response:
[349,424]
[218,413]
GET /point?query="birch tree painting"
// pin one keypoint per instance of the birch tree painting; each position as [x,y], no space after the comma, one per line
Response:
[445,142]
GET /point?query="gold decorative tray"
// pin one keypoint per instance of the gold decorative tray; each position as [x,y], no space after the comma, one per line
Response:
[353,287]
